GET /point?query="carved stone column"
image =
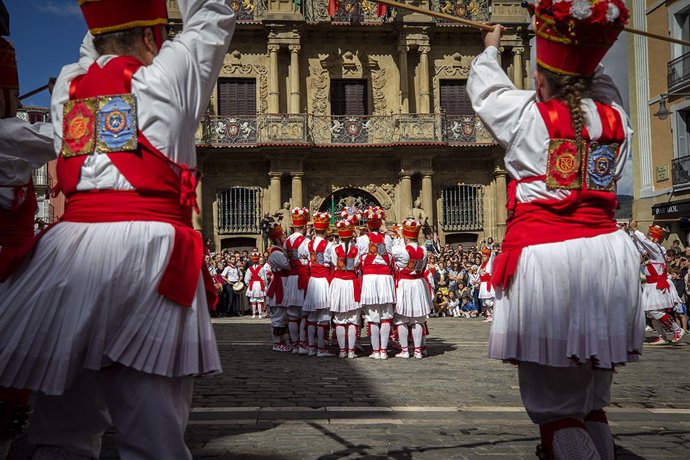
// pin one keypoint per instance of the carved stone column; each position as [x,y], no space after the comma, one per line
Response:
[294,79]
[274,203]
[424,93]
[404,80]
[405,194]
[297,188]
[273,102]
[518,77]
[500,175]
[427,196]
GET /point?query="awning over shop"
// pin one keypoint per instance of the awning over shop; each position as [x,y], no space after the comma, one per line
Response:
[672,210]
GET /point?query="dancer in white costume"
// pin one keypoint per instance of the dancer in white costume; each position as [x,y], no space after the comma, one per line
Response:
[297,250]
[659,294]
[566,329]
[256,279]
[346,288]
[316,304]
[92,329]
[413,296]
[275,295]
[486,289]
[378,287]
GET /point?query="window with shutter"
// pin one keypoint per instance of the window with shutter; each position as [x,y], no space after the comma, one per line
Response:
[237,97]
[349,97]
[682,133]
[454,99]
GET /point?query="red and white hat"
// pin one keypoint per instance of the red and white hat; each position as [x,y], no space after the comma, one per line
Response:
[374,216]
[486,251]
[345,228]
[574,35]
[656,231]
[411,228]
[300,217]
[322,220]
[275,232]
[255,256]
[105,16]
[351,213]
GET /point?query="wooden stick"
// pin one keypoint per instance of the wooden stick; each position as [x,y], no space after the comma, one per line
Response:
[484,26]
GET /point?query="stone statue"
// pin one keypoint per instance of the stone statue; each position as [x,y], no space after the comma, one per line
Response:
[418,213]
[283,216]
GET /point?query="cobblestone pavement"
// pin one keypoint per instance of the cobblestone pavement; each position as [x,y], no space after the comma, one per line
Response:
[455,404]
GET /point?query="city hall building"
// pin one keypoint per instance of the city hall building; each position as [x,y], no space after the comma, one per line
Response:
[331,104]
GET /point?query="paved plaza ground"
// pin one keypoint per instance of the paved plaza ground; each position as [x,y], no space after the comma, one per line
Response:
[455,404]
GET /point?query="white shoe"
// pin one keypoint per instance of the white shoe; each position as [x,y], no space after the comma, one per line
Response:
[283,347]
[403,354]
[418,355]
[253,316]
[659,341]
[295,350]
[648,329]
[312,352]
[678,334]
[324,354]
[375,355]
[383,355]
[351,355]
[343,354]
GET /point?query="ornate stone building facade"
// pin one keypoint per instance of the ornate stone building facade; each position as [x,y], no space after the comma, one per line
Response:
[327,107]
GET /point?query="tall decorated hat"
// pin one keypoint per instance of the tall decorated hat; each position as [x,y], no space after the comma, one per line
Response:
[410,228]
[374,216]
[486,251]
[300,217]
[255,256]
[275,232]
[9,79]
[345,227]
[656,231]
[322,220]
[105,16]
[574,35]
[351,214]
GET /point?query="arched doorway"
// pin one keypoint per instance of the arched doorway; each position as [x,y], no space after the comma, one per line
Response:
[348,198]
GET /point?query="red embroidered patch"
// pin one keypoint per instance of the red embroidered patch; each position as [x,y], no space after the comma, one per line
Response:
[564,165]
[78,127]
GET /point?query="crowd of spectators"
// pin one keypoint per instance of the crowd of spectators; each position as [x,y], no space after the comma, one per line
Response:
[678,266]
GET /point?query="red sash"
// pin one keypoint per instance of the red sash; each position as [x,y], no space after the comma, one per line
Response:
[661,280]
[407,276]
[368,266]
[350,275]
[297,268]
[582,214]
[415,255]
[317,270]
[254,271]
[275,287]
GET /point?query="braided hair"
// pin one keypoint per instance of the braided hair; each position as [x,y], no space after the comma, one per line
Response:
[571,90]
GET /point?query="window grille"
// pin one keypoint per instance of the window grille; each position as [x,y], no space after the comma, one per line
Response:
[463,207]
[239,210]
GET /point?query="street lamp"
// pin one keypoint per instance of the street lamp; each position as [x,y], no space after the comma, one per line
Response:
[663,112]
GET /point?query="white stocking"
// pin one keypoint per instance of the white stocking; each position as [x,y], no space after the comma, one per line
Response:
[402,337]
[352,336]
[303,330]
[321,333]
[602,438]
[385,335]
[340,333]
[573,443]
[311,333]
[293,327]
[375,337]
[417,334]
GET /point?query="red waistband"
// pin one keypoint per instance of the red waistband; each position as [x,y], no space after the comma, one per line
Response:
[485,278]
[376,269]
[345,274]
[407,276]
[319,271]
[180,277]
[660,280]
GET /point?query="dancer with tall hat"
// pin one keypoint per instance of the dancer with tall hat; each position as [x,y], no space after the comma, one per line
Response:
[297,250]
[23,148]
[275,295]
[345,291]
[486,289]
[378,286]
[413,296]
[567,305]
[91,331]
[316,304]
[255,278]
[658,294]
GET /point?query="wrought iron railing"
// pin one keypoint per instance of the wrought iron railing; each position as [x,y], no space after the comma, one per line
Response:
[239,210]
[680,171]
[679,72]
[45,212]
[40,177]
[324,130]
[463,208]
[346,11]
[476,10]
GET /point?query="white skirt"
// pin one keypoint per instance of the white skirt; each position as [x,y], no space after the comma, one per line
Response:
[89,298]
[342,296]
[377,289]
[486,291]
[293,296]
[271,301]
[413,298]
[574,301]
[317,294]
[655,299]
[254,292]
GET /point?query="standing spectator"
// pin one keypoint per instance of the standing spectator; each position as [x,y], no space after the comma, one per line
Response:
[231,275]
[265,226]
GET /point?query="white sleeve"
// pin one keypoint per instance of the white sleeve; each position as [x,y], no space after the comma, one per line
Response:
[303,250]
[21,141]
[495,99]
[389,243]
[328,258]
[247,277]
[263,275]
[400,255]
[362,244]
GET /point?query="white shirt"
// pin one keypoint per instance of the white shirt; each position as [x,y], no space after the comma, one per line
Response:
[231,273]
[302,250]
[363,246]
[400,255]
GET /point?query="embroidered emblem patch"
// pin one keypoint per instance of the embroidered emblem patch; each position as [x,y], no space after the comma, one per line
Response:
[78,127]
[292,254]
[564,164]
[372,248]
[419,266]
[349,264]
[320,258]
[117,123]
[601,165]
[381,249]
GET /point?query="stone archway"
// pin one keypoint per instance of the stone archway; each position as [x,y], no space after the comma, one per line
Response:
[348,198]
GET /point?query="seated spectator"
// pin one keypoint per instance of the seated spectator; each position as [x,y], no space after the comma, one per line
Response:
[468,309]
[453,305]
[440,305]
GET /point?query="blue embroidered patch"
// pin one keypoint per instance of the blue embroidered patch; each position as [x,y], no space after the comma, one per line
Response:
[601,165]
[320,258]
[117,123]
[349,264]
[381,249]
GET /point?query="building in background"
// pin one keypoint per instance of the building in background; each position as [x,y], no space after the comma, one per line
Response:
[330,104]
[660,113]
